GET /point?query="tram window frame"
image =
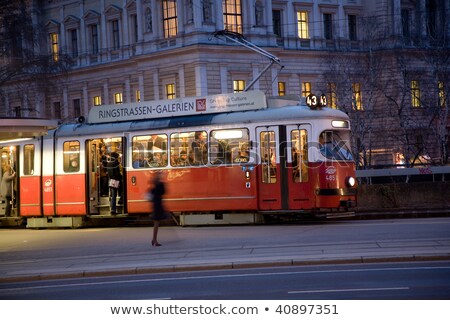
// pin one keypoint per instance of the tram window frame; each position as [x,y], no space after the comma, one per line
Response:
[28,159]
[143,146]
[299,159]
[181,142]
[229,146]
[71,156]
[268,160]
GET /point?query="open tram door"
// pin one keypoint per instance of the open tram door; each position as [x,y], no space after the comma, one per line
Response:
[283,182]
[98,154]
[9,157]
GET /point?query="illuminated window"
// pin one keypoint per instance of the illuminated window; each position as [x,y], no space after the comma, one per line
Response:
[150,151]
[54,46]
[229,146]
[28,159]
[170,19]
[299,140]
[281,89]
[331,95]
[302,24]
[238,86]
[306,89]
[441,88]
[97,101]
[415,94]
[170,91]
[357,97]
[71,158]
[268,157]
[118,97]
[232,15]
[189,148]
[138,95]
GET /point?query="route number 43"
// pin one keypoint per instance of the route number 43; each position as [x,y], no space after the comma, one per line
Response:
[314,101]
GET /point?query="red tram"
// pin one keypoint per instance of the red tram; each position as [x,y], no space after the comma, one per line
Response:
[221,164]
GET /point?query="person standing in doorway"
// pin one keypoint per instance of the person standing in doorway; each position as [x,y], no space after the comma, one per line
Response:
[115,179]
[159,213]
[6,187]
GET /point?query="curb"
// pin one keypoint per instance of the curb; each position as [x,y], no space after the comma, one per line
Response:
[223,266]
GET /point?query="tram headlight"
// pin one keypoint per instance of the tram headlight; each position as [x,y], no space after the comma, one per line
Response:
[350,182]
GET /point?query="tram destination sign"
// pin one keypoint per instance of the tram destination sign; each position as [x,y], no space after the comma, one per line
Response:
[251,100]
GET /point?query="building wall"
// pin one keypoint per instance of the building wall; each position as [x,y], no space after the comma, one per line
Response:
[199,64]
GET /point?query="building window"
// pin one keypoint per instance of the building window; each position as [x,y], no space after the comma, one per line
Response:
[170,91]
[76,107]
[276,22]
[57,109]
[405,24]
[232,15]
[134,28]
[118,97]
[306,89]
[331,95]
[328,26]
[97,101]
[352,27]
[238,86]
[115,35]
[94,39]
[415,94]
[138,95]
[281,89]
[441,93]
[170,19]
[302,24]
[74,42]
[54,46]
[357,97]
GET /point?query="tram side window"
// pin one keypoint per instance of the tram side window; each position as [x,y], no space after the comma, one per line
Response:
[188,149]
[299,140]
[71,158]
[28,159]
[268,157]
[229,146]
[150,151]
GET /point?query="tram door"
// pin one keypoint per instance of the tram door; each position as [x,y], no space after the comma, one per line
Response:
[98,153]
[269,170]
[9,157]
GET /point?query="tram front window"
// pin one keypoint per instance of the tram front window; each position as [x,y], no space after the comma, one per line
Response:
[334,147]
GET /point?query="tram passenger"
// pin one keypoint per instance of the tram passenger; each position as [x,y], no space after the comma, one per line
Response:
[182,161]
[242,157]
[6,187]
[115,179]
[199,148]
[103,172]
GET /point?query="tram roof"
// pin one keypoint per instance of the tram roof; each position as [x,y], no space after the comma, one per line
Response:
[272,114]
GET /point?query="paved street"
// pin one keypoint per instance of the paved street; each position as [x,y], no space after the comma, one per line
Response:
[47,254]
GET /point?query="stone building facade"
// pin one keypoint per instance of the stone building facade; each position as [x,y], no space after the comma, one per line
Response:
[134,50]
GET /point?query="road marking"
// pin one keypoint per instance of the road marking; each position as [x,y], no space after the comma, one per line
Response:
[220,276]
[347,290]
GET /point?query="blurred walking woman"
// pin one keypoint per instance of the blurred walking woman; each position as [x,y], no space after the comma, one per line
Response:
[159,213]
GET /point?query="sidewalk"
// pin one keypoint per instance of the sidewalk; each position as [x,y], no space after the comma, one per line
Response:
[51,254]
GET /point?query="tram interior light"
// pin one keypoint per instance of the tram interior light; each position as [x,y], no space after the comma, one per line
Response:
[227,134]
